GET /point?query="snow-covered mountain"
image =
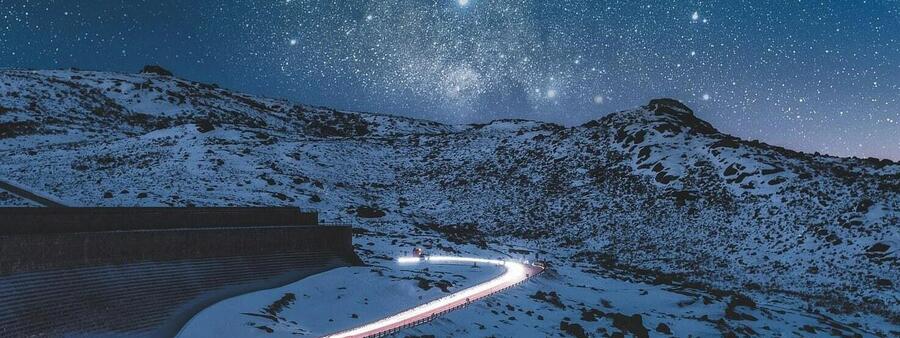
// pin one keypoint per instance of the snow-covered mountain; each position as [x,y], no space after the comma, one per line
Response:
[654,191]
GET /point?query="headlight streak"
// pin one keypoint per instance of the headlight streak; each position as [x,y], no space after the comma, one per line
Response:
[515,273]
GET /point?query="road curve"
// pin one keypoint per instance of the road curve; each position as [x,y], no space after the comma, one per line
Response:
[515,273]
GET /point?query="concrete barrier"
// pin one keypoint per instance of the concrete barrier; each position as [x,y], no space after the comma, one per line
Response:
[35,252]
[146,271]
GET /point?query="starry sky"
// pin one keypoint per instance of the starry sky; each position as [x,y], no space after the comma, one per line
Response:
[808,75]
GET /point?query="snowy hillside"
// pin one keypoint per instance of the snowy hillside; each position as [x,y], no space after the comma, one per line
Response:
[653,193]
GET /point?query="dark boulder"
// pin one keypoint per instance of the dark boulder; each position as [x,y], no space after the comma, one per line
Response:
[684,196]
[573,329]
[552,297]
[369,212]
[725,143]
[591,124]
[878,249]
[663,328]
[155,69]
[205,126]
[739,300]
[733,169]
[864,205]
[633,324]
[591,315]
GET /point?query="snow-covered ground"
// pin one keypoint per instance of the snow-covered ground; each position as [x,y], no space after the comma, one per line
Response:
[652,193]
[584,298]
[332,301]
[342,298]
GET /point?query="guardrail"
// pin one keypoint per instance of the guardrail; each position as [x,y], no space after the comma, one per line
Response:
[334,224]
[15,221]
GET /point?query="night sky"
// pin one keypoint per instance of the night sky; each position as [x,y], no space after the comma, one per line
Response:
[809,75]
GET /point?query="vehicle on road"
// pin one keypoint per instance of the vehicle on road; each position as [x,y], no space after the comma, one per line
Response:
[418,252]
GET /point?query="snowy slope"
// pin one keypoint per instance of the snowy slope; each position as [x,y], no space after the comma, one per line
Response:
[333,301]
[642,192]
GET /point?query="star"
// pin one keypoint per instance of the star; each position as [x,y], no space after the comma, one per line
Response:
[534,59]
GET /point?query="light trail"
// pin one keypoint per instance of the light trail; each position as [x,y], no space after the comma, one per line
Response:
[515,273]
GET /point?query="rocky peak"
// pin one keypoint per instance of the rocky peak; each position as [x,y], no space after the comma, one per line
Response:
[666,107]
[670,106]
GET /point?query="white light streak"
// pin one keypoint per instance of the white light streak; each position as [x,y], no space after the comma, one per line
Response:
[515,272]
[408,260]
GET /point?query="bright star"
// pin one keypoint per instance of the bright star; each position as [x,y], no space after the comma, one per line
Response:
[462,3]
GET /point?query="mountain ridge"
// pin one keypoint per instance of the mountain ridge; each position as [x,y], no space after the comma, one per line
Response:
[660,105]
[655,187]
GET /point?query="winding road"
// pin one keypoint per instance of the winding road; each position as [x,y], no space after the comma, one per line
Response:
[515,274]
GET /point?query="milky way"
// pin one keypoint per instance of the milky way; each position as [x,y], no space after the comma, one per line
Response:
[815,76]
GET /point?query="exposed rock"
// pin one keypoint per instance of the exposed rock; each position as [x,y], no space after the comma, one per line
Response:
[725,143]
[663,328]
[573,329]
[550,297]
[739,300]
[279,305]
[369,212]
[670,105]
[591,315]
[864,205]
[155,69]
[633,324]
[682,113]
[878,248]
[205,126]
